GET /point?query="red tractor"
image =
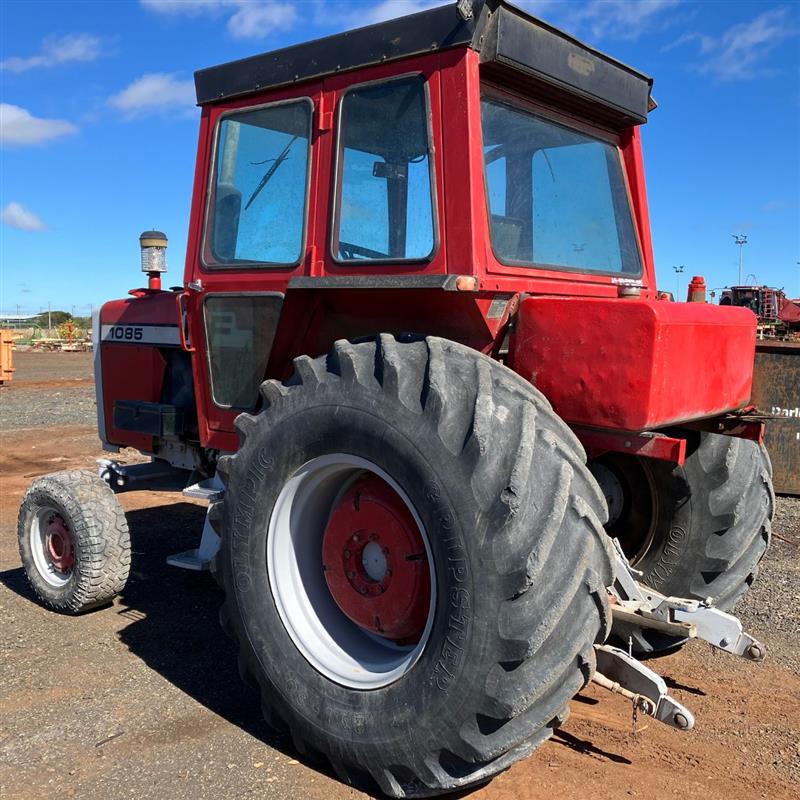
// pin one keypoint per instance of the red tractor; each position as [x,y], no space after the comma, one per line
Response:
[419,294]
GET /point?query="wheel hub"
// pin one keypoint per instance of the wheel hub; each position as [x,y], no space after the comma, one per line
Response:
[58,542]
[375,562]
[611,487]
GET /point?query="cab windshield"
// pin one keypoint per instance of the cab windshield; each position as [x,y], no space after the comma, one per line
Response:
[557,196]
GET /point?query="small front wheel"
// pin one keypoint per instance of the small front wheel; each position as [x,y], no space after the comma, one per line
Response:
[73,541]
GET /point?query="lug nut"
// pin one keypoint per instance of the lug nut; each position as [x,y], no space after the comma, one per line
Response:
[347,554]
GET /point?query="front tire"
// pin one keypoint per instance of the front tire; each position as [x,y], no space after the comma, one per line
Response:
[73,541]
[518,562]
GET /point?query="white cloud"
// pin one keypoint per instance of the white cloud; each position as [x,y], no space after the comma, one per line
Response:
[19,127]
[58,50]
[597,19]
[247,19]
[739,53]
[613,19]
[255,20]
[389,9]
[17,216]
[191,7]
[156,93]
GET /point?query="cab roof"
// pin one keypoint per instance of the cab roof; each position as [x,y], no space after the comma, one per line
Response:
[516,50]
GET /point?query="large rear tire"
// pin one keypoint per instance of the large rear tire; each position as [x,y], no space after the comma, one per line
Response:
[511,522]
[696,531]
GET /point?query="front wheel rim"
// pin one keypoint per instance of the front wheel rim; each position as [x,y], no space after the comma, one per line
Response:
[51,545]
[332,643]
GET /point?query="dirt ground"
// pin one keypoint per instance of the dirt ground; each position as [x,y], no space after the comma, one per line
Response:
[142,699]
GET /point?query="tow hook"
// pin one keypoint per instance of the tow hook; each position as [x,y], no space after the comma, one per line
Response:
[622,674]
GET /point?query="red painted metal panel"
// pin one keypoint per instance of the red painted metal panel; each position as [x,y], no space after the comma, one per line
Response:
[632,160]
[131,371]
[635,364]
[647,445]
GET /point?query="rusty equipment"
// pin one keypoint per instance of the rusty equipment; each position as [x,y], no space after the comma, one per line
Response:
[776,390]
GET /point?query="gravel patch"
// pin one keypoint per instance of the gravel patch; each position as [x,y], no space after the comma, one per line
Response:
[35,408]
[771,610]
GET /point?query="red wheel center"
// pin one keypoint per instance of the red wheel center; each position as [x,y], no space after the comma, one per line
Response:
[375,562]
[59,544]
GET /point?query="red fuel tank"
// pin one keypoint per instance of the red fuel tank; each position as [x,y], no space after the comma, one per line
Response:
[632,364]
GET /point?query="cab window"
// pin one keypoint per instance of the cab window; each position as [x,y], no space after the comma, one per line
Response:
[239,333]
[557,196]
[384,197]
[257,202]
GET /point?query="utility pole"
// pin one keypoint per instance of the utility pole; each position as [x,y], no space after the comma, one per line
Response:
[741,240]
[678,271]
[49,321]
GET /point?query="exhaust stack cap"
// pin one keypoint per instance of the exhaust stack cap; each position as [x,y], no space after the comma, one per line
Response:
[154,251]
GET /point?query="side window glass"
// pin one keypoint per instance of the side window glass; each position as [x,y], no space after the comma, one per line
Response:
[384,204]
[239,334]
[556,196]
[258,199]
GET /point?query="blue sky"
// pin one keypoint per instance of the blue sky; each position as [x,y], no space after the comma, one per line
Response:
[98,128]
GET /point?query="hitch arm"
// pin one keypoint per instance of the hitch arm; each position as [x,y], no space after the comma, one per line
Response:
[622,674]
[640,604]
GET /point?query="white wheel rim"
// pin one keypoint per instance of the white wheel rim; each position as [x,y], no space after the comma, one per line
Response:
[37,539]
[327,639]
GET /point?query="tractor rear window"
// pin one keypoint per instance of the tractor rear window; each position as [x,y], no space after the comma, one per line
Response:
[384,204]
[557,197]
[257,203]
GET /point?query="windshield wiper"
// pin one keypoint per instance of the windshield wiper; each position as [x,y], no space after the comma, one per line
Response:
[271,171]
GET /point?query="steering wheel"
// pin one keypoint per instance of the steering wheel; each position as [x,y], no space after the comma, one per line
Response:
[350,252]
